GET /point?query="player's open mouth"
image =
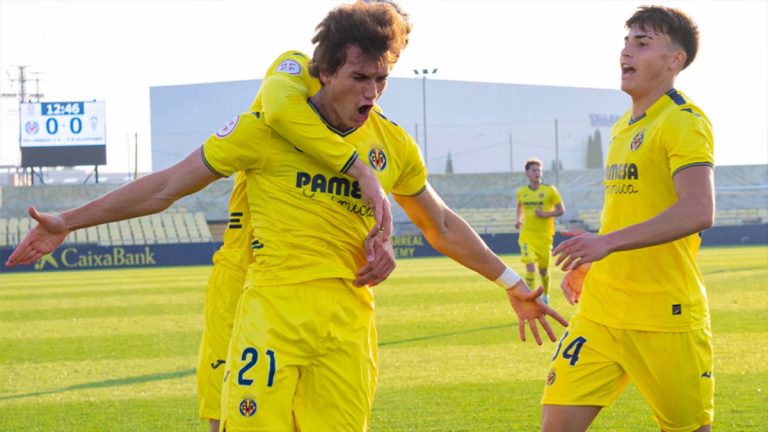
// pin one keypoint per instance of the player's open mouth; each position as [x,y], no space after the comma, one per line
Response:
[627,70]
[364,110]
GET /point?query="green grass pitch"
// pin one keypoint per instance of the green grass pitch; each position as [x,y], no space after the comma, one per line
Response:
[115,350]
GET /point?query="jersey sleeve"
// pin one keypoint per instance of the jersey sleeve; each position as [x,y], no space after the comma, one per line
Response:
[237,146]
[283,98]
[689,141]
[413,178]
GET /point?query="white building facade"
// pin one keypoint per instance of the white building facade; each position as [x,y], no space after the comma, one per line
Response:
[485,127]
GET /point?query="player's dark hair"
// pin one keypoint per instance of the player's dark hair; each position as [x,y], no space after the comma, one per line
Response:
[379,28]
[532,161]
[672,22]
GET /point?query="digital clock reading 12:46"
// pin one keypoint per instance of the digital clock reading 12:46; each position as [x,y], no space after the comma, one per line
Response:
[62,108]
[46,124]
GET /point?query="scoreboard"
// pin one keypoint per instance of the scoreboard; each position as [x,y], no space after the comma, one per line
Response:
[62,133]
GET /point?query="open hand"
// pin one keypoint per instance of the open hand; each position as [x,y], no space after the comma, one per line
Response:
[573,282]
[582,248]
[43,239]
[530,309]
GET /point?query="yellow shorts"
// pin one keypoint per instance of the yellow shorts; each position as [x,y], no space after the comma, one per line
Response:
[224,288]
[673,371]
[302,357]
[535,250]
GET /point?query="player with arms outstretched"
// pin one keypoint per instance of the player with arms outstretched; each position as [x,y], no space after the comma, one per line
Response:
[303,352]
[286,87]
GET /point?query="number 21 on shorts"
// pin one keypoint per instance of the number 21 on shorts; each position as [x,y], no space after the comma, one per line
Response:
[572,350]
[251,357]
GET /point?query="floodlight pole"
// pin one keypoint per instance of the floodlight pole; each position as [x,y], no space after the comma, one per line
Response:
[423,73]
[22,96]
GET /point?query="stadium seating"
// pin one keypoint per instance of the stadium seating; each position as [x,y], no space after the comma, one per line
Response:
[494,220]
[176,226]
[156,222]
[590,219]
[3,232]
[13,231]
[170,228]
[741,217]
[187,227]
[103,235]
[146,228]
[490,220]
[487,201]
[728,217]
[202,229]
[136,232]
[92,235]
[114,233]
[80,236]
[181,228]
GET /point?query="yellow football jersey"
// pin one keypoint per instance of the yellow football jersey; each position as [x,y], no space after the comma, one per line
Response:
[657,288]
[285,89]
[309,221]
[237,236]
[282,99]
[545,197]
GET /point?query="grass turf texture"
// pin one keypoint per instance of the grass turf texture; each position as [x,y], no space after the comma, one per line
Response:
[115,350]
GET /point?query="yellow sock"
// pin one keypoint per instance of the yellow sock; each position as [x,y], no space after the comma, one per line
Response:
[530,280]
[545,283]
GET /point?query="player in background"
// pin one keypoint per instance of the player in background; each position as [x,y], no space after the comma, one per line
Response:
[643,313]
[303,349]
[538,204]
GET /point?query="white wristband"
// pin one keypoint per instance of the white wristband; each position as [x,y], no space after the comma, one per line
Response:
[508,278]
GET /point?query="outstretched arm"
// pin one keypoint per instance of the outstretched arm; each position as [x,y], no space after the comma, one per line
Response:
[146,195]
[693,211]
[452,236]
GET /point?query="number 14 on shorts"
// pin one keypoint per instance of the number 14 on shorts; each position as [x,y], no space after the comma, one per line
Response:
[572,350]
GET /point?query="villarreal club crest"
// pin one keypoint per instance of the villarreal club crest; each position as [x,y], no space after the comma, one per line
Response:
[377,158]
[247,407]
[551,377]
[637,140]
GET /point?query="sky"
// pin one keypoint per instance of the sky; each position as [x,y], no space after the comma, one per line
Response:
[115,50]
